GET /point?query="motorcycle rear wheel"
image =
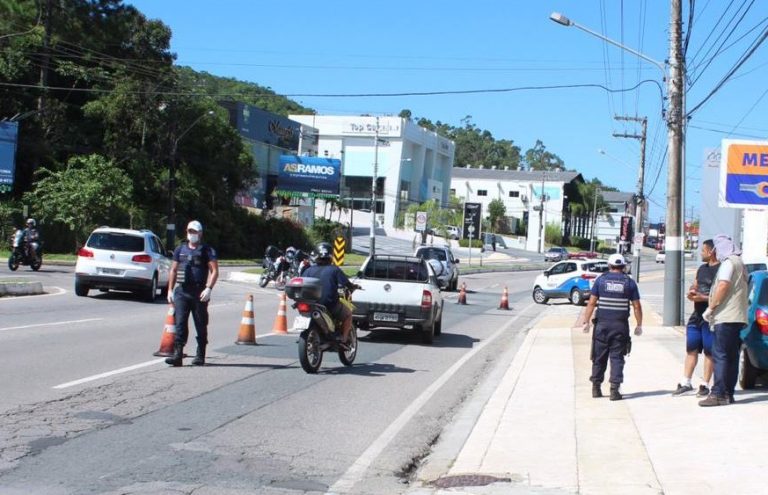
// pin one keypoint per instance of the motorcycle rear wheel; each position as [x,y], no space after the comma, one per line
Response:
[348,357]
[13,263]
[310,355]
[280,281]
[36,264]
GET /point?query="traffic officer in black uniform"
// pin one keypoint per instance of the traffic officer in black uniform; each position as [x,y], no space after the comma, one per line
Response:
[612,294]
[194,272]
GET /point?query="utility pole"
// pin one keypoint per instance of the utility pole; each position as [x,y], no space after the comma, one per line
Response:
[640,202]
[675,120]
[541,213]
[594,221]
[372,249]
[46,56]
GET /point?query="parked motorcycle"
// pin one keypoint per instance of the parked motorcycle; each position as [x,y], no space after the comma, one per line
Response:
[319,332]
[24,254]
[276,268]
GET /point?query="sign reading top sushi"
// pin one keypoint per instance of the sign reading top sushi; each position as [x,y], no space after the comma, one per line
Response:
[309,176]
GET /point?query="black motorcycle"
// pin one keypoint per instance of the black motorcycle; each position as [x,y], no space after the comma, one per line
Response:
[319,332]
[24,254]
[276,268]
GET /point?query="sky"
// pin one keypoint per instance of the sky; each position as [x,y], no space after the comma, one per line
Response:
[357,48]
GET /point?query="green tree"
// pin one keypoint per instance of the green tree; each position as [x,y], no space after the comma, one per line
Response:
[91,191]
[496,212]
[538,158]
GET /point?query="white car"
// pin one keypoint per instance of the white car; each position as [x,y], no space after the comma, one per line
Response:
[446,266]
[122,259]
[453,232]
[570,279]
[661,256]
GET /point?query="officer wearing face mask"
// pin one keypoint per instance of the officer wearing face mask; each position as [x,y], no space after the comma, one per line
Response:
[193,274]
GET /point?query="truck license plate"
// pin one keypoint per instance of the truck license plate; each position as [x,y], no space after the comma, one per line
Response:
[301,322]
[385,316]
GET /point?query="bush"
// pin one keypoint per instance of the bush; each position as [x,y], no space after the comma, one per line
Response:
[552,234]
[476,243]
[326,231]
[580,242]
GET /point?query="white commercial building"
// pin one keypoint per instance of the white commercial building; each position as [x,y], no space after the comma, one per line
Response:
[412,164]
[531,197]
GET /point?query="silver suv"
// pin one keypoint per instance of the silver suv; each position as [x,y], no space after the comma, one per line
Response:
[122,259]
[448,271]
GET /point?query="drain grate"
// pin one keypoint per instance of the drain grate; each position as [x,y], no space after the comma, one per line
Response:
[467,480]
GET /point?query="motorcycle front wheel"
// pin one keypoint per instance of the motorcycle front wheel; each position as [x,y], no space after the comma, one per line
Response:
[348,357]
[310,355]
[264,280]
[13,262]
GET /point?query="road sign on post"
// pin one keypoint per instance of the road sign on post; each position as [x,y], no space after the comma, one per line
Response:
[421,221]
[339,245]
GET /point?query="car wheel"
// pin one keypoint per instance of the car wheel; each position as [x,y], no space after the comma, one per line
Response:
[749,372]
[576,298]
[439,327]
[151,291]
[428,332]
[81,290]
[539,297]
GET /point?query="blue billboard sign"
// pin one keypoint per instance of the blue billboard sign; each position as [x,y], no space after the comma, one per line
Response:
[309,176]
[9,132]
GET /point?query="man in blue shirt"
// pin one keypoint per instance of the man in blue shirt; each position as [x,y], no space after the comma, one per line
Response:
[194,272]
[332,278]
[612,294]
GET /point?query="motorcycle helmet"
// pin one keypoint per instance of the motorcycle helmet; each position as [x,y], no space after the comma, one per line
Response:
[290,253]
[323,251]
[31,222]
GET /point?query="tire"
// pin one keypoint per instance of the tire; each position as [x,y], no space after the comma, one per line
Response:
[310,355]
[151,291]
[748,372]
[576,298]
[439,327]
[348,357]
[539,297]
[428,333]
[13,263]
[36,264]
[264,280]
[280,281]
[81,290]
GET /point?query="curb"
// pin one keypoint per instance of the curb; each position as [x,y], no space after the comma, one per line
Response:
[20,288]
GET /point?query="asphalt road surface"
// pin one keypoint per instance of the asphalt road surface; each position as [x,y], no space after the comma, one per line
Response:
[86,408]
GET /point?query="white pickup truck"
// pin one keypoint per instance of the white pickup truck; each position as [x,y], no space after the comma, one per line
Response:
[398,292]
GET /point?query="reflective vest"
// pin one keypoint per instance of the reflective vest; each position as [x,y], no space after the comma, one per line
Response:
[613,296]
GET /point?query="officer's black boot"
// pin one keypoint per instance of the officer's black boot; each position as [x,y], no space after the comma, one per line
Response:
[596,392]
[178,355]
[199,359]
[615,394]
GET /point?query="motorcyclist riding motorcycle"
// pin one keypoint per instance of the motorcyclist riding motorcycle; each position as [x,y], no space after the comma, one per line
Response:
[332,278]
[32,239]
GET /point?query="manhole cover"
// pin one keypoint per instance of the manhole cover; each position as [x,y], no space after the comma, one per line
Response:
[467,480]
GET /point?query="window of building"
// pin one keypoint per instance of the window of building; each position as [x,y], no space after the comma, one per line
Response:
[482,192]
[453,192]
[514,194]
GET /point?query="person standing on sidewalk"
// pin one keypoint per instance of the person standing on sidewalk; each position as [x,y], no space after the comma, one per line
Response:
[698,336]
[195,268]
[727,313]
[612,294]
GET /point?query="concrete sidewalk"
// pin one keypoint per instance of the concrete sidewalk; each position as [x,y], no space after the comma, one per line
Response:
[541,431]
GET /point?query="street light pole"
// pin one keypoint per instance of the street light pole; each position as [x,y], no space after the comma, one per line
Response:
[673,280]
[541,213]
[594,222]
[372,242]
[170,240]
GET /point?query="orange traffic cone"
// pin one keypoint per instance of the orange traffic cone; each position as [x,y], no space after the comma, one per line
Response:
[169,334]
[281,320]
[462,294]
[247,335]
[504,304]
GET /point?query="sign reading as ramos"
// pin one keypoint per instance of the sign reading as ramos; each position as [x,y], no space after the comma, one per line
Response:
[308,176]
[744,174]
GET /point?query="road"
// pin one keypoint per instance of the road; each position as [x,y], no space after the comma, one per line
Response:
[82,385]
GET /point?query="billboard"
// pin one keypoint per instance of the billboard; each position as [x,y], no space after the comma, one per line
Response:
[9,132]
[744,174]
[309,176]
[472,214]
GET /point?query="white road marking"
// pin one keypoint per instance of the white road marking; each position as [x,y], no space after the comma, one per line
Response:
[59,291]
[125,370]
[356,472]
[58,323]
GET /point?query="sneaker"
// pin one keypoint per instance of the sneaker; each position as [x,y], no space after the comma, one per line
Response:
[682,389]
[703,391]
[713,400]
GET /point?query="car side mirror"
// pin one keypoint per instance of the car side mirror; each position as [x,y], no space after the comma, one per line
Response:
[359,274]
[456,261]
[546,273]
[169,254]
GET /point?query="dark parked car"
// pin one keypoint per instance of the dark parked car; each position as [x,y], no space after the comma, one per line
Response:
[754,361]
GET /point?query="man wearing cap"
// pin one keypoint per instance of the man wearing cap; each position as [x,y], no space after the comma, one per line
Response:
[612,294]
[193,274]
